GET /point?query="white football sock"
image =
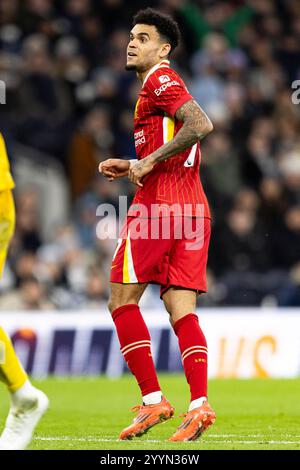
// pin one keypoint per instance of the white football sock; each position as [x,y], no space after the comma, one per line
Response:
[196,403]
[152,398]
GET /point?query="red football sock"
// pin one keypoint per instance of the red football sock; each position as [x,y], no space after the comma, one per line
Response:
[136,346]
[193,348]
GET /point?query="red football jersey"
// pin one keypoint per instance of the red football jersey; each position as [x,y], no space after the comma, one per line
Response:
[175,180]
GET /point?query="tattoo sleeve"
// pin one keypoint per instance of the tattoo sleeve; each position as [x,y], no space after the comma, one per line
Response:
[196,125]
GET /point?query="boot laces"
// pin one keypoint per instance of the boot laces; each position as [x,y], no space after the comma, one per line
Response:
[137,408]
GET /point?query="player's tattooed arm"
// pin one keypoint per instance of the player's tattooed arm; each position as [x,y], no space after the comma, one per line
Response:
[196,125]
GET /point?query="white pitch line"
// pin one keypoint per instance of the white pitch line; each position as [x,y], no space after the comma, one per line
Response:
[83,439]
[224,441]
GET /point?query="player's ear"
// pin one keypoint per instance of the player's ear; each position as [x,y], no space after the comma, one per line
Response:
[165,50]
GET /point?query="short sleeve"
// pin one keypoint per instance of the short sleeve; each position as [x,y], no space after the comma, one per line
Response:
[167,91]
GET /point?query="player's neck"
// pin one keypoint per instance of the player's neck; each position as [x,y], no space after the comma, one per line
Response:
[142,75]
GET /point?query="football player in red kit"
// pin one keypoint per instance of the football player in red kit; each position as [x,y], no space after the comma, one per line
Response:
[168,126]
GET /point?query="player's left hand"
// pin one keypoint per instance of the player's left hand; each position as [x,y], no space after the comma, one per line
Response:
[140,169]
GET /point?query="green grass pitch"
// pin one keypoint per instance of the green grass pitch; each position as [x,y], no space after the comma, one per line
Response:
[89,414]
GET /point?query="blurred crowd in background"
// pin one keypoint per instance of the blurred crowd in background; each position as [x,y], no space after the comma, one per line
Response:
[69,105]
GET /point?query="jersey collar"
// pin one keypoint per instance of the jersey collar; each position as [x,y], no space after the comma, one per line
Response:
[163,63]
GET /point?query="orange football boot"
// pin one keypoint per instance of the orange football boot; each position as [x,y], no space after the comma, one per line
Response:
[148,416]
[195,423]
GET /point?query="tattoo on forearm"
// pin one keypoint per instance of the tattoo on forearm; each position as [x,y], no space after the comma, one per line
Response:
[195,126]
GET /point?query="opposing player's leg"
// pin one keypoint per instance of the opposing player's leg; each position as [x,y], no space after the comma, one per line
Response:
[7,224]
[181,305]
[28,404]
[12,373]
[135,345]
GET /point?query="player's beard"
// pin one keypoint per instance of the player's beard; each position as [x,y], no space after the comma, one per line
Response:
[136,68]
[131,68]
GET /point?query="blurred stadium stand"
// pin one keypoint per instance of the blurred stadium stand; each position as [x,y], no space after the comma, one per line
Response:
[70,105]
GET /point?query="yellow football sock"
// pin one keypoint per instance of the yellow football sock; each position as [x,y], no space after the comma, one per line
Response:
[11,370]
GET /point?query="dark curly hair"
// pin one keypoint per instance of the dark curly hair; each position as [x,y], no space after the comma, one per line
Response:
[166,26]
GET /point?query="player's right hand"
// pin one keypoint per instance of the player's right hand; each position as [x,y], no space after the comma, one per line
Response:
[114,168]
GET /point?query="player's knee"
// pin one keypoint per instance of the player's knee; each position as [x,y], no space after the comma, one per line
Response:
[115,303]
[168,306]
[112,304]
[171,321]
[173,313]
[115,299]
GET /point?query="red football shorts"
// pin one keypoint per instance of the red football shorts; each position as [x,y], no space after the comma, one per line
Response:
[167,251]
